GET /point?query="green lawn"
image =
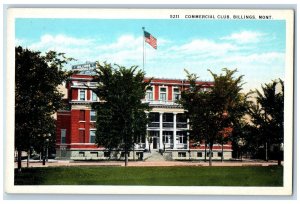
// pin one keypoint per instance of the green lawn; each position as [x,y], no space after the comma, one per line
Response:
[154,176]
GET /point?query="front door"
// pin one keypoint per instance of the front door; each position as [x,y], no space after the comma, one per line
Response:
[154,142]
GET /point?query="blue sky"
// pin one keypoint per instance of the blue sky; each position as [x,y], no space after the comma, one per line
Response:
[256,48]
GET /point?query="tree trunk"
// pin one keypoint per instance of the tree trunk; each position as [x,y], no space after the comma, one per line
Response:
[210,156]
[126,155]
[267,151]
[28,156]
[19,160]
[126,159]
[279,156]
[133,153]
[222,157]
[205,146]
[279,160]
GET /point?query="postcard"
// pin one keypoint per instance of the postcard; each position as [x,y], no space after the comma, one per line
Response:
[195,70]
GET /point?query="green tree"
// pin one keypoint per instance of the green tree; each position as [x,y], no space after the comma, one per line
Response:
[36,96]
[121,117]
[267,116]
[212,111]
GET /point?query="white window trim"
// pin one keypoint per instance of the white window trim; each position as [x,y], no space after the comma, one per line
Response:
[153,97]
[91,98]
[85,94]
[65,135]
[170,137]
[173,93]
[163,86]
[91,115]
[92,129]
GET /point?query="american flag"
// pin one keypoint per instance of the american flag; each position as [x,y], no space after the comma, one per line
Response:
[150,39]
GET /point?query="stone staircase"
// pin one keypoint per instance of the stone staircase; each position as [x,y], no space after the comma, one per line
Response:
[153,156]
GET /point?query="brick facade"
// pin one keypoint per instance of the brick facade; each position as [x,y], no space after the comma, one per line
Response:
[167,131]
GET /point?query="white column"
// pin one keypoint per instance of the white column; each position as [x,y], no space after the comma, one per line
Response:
[160,130]
[146,140]
[188,137]
[174,130]
[147,134]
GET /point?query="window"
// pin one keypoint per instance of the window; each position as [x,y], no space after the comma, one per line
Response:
[181,154]
[106,154]
[92,136]
[176,94]
[182,137]
[149,94]
[81,154]
[168,117]
[82,95]
[167,137]
[93,115]
[207,154]
[82,115]
[199,154]
[81,135]
[63,136]
[123,154]
[94,154]
[163,94]
[219,154]
[94,96]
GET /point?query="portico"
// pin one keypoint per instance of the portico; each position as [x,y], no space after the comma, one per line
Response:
[167,130]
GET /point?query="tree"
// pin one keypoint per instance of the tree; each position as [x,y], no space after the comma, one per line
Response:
[36,95]
[212,112]
[121,117]
[267,116]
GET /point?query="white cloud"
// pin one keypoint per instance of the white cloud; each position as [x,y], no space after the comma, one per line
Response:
[78,48]
[171,58]
[123,42]
[47,41]
[262,58]
[198,49]
[245,37]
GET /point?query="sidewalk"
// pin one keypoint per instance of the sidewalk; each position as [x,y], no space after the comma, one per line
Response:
[54,163]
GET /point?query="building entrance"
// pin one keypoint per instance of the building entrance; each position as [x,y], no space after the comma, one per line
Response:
[154,140]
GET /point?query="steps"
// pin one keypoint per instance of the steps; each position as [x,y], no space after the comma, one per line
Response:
[153,156]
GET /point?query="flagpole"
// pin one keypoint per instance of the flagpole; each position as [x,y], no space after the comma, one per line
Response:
[143,47]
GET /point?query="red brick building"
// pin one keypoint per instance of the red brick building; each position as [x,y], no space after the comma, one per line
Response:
[167,129]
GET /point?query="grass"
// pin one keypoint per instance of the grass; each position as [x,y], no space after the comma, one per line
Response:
[153,176]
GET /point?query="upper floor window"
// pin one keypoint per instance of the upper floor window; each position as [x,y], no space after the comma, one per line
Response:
[94,96]
[149,93]
[168,117]
[163,93]
[176,94]
[82,95]
[93,115]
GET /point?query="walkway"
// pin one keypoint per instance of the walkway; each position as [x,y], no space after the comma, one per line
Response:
[148,162]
